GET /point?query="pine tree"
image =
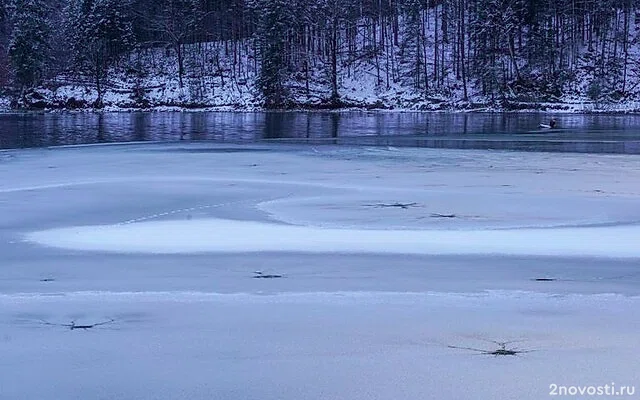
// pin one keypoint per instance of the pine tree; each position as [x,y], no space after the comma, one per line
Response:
[333,11]
[492,27]
[29,48]
[4,42]
[98,32]
[411,54]
[271,37]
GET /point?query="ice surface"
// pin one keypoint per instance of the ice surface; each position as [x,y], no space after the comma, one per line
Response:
[348,319]
[314,345]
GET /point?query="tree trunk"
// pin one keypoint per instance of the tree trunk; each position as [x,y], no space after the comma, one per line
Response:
[335,98]
[463,64]
[180,63]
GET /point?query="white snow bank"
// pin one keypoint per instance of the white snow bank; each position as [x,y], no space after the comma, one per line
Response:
[218,235]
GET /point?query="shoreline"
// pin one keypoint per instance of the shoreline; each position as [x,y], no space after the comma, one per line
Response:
[454,106]
[257,110]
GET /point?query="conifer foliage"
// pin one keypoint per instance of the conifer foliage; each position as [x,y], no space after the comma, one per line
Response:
[29,47]
[97,33]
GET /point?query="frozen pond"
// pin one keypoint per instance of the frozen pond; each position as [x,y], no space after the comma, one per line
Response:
[517,131]
[199,270]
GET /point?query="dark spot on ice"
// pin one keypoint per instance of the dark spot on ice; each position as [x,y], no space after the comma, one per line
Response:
[393,205]
[436,215]
[73,326]
[261,275]
[501,351]
[47,280]
[545,279]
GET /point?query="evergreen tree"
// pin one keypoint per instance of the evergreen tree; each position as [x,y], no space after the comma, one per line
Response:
[411,53]
[4,42]
[98,32]
[271,37]
[29,48]
[333,12]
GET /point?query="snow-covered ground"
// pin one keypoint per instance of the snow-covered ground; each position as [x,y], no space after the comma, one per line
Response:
[394,264]
[5,104]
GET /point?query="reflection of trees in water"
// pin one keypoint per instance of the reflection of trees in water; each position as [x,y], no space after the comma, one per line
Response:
[368,128]
[272,126]
[100,137]
[140,122]
[198,126]
[335,124]
[294,125]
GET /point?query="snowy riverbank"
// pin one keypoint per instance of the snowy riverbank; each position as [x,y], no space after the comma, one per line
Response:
[80,98]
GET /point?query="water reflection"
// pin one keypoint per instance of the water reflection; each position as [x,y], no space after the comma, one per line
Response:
[503,131]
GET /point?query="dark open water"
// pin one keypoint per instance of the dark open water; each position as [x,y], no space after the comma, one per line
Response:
[581,133]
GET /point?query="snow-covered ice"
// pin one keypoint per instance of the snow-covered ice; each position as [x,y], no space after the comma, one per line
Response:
[387,256]
[217,235]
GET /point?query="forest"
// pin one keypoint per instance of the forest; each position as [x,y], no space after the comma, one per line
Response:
[280,54]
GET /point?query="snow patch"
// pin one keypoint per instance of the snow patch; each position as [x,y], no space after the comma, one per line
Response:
[219,235]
